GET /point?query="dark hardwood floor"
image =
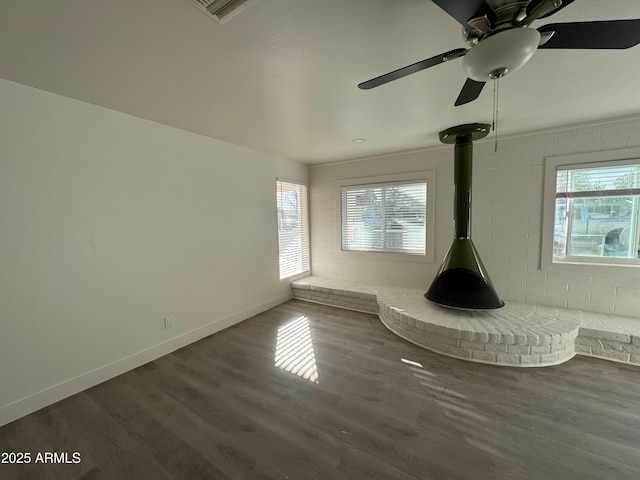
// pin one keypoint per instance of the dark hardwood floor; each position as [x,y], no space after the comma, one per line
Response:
[311,392]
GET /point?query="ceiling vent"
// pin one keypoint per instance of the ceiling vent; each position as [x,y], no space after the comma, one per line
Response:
[222,10]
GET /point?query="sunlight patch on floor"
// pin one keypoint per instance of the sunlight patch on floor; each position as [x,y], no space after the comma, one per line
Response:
[294,350]
[429,380]
[411,362]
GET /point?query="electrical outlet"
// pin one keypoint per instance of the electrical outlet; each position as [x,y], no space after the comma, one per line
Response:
[168,322]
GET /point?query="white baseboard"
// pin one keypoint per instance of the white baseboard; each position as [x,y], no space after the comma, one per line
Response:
[32,403]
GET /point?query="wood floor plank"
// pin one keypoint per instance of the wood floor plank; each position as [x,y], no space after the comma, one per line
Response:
[199,435]
[161,444]
[51,433]
[14,440]
[113,445]
[306,391]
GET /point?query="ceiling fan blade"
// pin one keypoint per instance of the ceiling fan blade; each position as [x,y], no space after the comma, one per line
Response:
[465,10]
[470,91]
[606,34]
[540,9]
[413,68]
[546,11]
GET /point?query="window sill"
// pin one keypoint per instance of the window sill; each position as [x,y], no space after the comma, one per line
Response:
[589,267]
[385,256]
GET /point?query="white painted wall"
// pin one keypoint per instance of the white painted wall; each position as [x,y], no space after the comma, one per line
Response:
[507,210]
[109,223]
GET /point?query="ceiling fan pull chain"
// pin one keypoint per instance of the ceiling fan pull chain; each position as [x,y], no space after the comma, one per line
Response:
[493,108]
[494,125]
[497,99]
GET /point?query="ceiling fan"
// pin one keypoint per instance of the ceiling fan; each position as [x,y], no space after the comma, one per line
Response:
[501,41]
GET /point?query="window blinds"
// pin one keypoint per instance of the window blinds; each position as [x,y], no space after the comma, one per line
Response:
[388,217]
[574,182]
[293,228]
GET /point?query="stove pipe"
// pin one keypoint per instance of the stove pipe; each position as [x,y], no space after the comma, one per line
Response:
[462,281]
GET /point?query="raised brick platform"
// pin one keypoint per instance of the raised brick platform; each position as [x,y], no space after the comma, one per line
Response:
[518,334]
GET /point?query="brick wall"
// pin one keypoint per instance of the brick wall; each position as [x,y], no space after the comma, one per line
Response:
[507,218]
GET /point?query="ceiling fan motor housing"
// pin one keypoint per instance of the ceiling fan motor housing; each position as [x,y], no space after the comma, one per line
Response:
[500,54]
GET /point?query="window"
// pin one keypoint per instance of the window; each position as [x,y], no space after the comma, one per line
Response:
[385,217]
[596,213]
[293,228]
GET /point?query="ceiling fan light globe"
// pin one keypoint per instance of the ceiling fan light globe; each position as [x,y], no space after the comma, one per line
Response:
[508,50]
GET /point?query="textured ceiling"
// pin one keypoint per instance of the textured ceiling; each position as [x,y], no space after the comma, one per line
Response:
[281,76]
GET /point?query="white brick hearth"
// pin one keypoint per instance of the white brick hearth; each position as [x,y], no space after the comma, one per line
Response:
[518,334]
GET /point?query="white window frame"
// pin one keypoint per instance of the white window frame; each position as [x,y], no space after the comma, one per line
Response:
[427,176]
[305,231]
[605,265]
